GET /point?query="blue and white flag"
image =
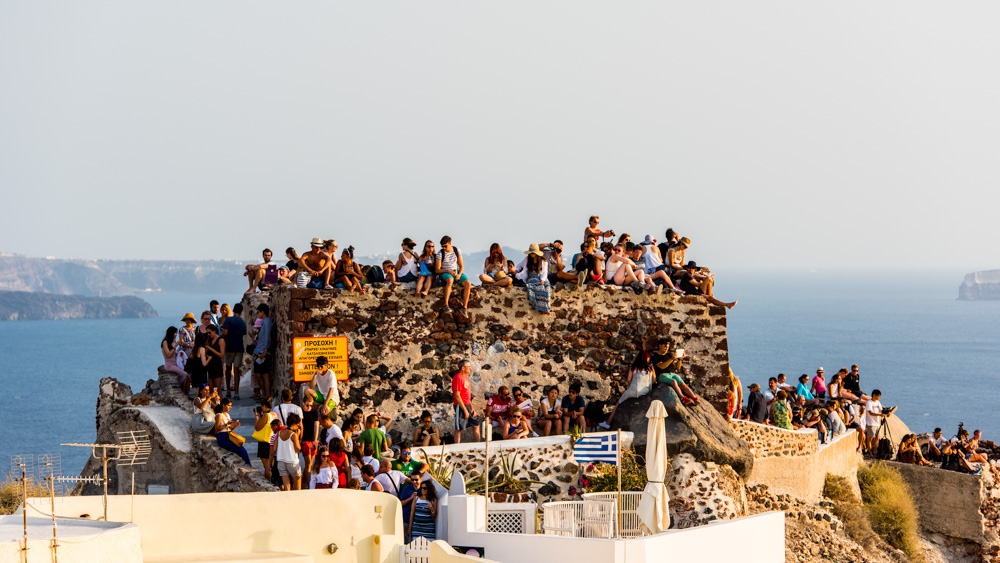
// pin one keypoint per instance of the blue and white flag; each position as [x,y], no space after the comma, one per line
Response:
[602,447]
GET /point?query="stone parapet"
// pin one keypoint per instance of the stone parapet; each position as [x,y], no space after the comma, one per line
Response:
[403,348]
[771,441]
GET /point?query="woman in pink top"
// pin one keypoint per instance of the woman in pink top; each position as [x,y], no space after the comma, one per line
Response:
[819,384]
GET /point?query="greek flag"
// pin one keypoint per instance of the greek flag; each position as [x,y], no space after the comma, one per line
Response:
[603,447]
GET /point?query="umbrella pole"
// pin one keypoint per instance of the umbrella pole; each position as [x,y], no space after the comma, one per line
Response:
[486,476]
[618,503]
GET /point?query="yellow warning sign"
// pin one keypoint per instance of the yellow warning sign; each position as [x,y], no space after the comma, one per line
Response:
[306,350]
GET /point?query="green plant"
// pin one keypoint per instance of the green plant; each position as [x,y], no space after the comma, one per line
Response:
[890,507]
[437,468]
[603,477]
[574,433]
[848,508]
[11,490]
[506,482]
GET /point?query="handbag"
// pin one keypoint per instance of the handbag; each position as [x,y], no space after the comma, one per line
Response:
[236,439]
[263,435]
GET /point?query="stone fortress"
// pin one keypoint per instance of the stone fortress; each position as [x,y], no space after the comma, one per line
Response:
[402,351]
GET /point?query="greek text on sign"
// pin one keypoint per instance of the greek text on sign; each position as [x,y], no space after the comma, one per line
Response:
[305,351]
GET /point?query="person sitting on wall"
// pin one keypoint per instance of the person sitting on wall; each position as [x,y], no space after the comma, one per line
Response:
[450,269]
[516,426]
[953,458]
[557,269]
[495,268]
[932,449]
[835,418]
[803,391]
[969,446]
[593,231]
[813,418]
[573,406]
[550,413]
[783,385]
[909,452]
[623,272]
[770,392]
[255,272]
[589,268]
[781,416]
[693,282]
[498,406]
[389,271]
[348,274]
[523,402]
[852,384]
[656,270]
[425,434]
[313,267]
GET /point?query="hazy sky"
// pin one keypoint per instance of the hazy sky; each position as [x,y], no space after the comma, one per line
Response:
[799,134]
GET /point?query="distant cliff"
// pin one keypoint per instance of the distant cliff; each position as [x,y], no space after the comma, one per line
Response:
[980,286]
[118,277]
[24,306]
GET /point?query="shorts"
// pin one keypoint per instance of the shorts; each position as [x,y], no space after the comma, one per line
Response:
[461,423]
[263,450]
[286,469]
[871,431]
[669,378]
[266,366]
[316,283]
[659,268]
[460,279]
[234,359]
[309,448]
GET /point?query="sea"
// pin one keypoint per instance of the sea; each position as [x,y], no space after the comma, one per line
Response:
[931,355]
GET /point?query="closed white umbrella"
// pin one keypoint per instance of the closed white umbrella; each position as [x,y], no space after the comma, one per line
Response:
[653,511]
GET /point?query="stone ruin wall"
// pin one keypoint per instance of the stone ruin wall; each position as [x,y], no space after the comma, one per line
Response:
[403,348]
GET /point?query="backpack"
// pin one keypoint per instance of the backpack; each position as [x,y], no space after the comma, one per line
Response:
[884,450]
[374,275]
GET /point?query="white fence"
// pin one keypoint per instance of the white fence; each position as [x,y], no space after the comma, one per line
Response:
[580,519]
[629,524]
[417,551]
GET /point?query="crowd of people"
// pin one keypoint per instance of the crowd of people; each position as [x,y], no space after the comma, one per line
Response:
[603,260]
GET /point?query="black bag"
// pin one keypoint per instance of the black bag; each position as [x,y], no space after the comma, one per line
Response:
[885,448]
[374,275]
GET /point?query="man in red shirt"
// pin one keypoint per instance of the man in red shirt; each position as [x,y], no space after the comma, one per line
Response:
[498,406]
[462,400]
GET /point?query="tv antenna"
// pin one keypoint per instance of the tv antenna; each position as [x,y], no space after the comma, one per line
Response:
[133,449]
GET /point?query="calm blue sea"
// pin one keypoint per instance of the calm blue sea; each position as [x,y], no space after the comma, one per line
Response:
[930,354]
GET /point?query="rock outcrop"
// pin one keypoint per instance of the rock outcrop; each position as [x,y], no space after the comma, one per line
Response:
[698,430]
[980,286]
[28,306]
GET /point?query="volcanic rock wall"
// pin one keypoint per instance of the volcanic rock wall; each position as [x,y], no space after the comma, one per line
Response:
[403,348]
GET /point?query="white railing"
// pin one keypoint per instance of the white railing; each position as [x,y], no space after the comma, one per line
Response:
[580,519]
[417,551]
[511,518]
[629,524]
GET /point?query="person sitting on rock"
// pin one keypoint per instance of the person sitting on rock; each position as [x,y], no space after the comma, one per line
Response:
[589,269]
[693,282]
[909,452]
[425,434]
[537,280]
[389,271]
[495,268]
[593,231]
[323,387]
[573,406]
[639,383]
[450,269]
[813,418]
[425,276]
[523,402]
[498,406]
[970,445]
[516,426]
[623,272]
[348,274]
[668,363]
[557,269]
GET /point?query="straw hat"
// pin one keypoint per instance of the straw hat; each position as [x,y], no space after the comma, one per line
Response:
[317,242]
[533,249]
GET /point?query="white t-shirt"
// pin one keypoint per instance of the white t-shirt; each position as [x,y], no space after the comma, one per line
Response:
[547,408]
[371,461]
[939,442]
[388,479]
[449,260]
[326,383]
[284,409]
[872,407]
[332,433]
[768,394]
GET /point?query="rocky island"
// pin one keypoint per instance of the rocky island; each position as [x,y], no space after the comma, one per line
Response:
[983,285]
[26,305]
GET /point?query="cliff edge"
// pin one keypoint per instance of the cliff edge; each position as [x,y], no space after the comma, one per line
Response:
[26,305]
[980,286]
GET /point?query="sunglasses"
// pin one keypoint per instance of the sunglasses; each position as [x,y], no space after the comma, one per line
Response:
[324,455]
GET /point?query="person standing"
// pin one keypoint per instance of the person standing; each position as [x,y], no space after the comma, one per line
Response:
[461,394]
[186,335]
[310,436]
[263,363]
[234,329]
[423,511]
[215,351]
[169,348]
[286,450]
[213,309]
[323,473]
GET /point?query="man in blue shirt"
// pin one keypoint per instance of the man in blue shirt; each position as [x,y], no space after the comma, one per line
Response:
[263,363]
[233,330]
[573,406]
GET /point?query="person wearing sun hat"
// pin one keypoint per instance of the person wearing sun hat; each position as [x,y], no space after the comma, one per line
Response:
[536,268]
[186,336]
[313,266]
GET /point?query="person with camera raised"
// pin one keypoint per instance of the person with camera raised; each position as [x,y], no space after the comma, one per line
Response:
[593,231]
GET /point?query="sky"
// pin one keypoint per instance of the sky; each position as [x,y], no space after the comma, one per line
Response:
[801,134]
